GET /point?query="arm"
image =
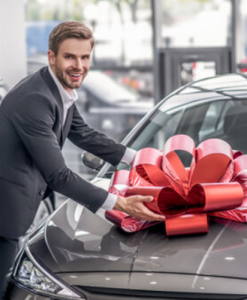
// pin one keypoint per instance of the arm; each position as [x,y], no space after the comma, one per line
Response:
[33,118]
[94,142]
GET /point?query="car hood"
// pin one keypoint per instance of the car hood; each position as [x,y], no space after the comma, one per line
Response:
[76,240]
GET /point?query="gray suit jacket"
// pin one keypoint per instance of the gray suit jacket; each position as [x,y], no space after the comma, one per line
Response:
[31,138]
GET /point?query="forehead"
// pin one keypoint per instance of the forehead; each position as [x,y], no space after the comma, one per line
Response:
[75,46]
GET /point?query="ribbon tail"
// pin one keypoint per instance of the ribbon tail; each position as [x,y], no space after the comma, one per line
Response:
[126,222]
[187,224]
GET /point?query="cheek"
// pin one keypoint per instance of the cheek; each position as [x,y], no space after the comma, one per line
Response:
[87,64]
[63,64]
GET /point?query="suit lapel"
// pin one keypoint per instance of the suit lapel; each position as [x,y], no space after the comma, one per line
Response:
[58,128]
[67,124]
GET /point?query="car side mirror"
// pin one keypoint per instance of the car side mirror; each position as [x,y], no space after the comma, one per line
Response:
[92,161]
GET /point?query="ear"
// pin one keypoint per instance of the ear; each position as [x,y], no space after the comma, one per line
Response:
[51,57]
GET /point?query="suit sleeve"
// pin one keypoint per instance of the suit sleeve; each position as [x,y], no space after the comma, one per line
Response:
[33,119]
[94,142]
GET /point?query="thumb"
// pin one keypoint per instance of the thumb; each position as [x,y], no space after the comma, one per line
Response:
[146,198]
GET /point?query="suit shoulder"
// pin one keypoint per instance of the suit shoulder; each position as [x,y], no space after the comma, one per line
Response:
[32,84]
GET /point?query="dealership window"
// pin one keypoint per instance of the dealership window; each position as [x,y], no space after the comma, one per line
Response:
[196,23]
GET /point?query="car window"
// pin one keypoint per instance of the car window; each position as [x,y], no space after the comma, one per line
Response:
[159,128]
[224,119]
[164,124]
[214,118]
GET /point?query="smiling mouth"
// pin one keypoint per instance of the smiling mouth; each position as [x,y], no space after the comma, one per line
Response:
[73,75]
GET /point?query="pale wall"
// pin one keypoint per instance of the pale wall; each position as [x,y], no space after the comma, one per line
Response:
[12,41]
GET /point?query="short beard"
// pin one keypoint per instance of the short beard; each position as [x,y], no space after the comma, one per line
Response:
[59,75]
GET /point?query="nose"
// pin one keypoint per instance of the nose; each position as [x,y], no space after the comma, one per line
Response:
[79,63]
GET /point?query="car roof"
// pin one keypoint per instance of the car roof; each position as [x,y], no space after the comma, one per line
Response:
[232,86]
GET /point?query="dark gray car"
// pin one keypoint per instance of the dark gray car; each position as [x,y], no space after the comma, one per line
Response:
[78,255]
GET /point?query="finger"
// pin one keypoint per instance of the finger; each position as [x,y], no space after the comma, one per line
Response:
[157,217]
[140,198]
[147,198]
[160,218]
[148,215]
[151,218]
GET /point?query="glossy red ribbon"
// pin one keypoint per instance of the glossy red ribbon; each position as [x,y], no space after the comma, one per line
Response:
[215,183]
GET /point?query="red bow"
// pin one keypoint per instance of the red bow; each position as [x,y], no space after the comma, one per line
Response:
[215,182]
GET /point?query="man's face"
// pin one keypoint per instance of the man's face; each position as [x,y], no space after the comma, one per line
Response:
[72,62]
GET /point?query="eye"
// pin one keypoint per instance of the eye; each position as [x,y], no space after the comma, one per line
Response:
[68,56]
[85,57]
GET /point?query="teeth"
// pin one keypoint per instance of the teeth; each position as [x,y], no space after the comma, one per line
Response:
[76,75]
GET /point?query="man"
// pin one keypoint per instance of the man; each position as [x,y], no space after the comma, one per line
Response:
[36,116]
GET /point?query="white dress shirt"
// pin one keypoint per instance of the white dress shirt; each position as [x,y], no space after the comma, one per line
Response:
[68,100]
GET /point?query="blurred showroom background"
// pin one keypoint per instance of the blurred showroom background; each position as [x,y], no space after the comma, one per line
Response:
[125,76]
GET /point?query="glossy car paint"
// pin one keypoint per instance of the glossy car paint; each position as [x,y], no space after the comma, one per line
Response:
[104,263]
[93,252]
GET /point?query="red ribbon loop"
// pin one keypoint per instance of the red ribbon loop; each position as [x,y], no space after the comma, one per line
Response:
[215,181]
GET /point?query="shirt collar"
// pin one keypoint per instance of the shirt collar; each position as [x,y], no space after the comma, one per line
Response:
[67,98]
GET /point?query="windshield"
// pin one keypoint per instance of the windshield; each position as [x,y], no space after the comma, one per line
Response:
[224,119]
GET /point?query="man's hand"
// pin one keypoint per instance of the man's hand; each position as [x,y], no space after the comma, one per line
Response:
[134,207]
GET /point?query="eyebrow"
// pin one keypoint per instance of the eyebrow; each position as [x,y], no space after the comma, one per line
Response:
[68,53]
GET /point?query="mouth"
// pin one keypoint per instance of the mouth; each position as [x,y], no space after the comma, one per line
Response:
[75,76]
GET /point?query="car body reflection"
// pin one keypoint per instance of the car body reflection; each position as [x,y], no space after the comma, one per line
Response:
[96,260]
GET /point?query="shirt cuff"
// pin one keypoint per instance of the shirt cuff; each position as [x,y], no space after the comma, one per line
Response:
[111,198]
[110,202]
[128,156]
